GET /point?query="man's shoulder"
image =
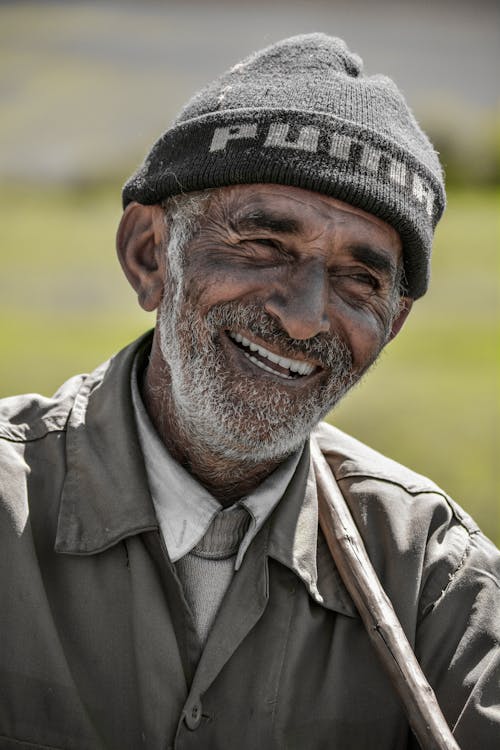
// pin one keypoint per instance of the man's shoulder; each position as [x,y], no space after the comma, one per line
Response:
[349,457]
[32,458]
[407,521]
[369,474]
[31,416]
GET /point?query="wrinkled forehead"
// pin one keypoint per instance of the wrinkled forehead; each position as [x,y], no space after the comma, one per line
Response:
[291,210]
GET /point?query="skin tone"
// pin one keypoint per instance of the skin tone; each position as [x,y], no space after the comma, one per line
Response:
[316,265]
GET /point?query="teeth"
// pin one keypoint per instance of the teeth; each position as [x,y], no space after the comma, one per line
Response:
[265,367]
[302,368]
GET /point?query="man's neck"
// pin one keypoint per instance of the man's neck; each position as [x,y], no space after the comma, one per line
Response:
[225,478]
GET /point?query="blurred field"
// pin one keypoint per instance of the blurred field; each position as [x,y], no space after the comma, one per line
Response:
[85,85]
[431,402]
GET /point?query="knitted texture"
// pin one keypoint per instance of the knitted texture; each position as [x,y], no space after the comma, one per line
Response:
[206,572]
[303,113]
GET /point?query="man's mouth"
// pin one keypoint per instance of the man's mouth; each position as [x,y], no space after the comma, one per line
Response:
[269,361]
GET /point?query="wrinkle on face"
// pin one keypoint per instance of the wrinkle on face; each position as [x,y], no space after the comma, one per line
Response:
[233,277]
[317,216]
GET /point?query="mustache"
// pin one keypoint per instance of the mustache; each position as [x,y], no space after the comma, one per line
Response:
[327,349]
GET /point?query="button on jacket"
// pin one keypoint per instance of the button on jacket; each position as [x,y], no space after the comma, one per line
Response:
[97,644]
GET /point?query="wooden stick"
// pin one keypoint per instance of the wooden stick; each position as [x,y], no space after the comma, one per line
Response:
[383,627]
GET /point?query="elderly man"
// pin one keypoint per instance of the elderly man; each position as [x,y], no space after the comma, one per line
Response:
[165,583]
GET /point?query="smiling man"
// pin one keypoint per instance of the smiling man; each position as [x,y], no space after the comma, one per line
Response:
[275,307]
[165,582]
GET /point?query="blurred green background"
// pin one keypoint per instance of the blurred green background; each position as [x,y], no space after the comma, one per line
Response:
[86,86]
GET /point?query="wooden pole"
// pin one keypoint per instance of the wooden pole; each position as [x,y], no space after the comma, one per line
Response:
[383,627]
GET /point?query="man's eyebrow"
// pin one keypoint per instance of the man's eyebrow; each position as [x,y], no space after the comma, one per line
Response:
[375,257]
[263,220]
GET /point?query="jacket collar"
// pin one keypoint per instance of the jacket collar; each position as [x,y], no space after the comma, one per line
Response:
[106,496]
[296,541]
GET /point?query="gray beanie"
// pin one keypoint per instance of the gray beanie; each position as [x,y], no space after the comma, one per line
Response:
[302,112]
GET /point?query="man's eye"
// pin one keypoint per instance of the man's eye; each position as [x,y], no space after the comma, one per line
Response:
[266,242]
[265,250]
[360,278]
[365,278]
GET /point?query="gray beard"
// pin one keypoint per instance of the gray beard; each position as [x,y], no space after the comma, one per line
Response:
[233,414]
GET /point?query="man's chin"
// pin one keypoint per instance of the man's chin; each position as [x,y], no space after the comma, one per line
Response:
[245,435]
[253,452]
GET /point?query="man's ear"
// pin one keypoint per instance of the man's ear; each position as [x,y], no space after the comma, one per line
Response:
[140,241]
[398,322]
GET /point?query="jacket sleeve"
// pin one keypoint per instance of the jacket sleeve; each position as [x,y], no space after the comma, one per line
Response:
[458,637]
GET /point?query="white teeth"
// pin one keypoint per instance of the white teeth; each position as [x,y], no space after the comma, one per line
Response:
[265,367]
[302,368]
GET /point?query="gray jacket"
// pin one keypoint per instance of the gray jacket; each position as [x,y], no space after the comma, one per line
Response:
[97,644]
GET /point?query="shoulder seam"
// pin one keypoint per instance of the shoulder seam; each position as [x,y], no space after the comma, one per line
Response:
[26,432]
[430,606]
[460,516]
[429,489]
[30,438]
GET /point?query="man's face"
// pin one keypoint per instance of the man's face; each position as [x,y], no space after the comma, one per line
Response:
[271,312]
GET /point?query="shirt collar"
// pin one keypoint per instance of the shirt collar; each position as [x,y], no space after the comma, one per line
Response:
[184,508]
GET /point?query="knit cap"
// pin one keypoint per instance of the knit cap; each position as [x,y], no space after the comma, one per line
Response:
[303,113]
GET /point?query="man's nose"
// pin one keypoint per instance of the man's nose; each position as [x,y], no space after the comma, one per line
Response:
[300,303]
